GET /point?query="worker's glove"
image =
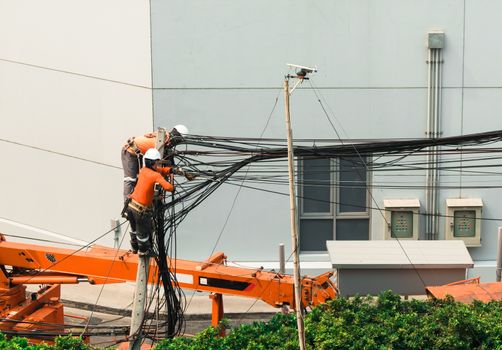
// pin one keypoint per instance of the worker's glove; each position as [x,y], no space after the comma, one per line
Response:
[188,175]
[175,138]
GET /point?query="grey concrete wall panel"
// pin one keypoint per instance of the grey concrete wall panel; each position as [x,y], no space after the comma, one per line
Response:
[246,44]
[482,109]
[221,112]
[451,112]
[483,52]
[402,281]
[256,225]
[476,183]
[218,68]
[244,112]
[485,270]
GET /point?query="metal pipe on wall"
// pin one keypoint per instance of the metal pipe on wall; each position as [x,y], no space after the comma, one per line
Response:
[433,149]
[428,156]
[435,155]
[434,92]
[438,134]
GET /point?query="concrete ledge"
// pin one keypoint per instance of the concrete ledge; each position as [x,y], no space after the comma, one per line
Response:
[189,317]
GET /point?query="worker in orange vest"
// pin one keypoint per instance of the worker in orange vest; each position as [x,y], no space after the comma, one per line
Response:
[135,148]
[139,210]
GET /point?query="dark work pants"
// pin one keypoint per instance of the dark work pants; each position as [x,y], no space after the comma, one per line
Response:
[131,165]
[142,224]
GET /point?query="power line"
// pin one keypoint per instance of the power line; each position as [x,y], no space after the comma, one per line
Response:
[38,272]
[348,204]
[239,190]
[73,73]
[59,153]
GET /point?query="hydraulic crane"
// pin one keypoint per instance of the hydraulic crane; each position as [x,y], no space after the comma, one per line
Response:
[22,264]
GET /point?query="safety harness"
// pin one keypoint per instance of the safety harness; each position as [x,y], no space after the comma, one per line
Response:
[132,145]
[140,208]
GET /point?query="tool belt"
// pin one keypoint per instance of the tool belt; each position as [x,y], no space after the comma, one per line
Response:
[124,209]
[140,208]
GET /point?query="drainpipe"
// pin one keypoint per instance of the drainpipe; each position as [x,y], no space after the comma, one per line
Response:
[435,44]
[428,156]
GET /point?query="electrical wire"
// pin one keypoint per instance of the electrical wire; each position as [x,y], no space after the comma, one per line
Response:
[243,162]
[38,272]
[106,279]
[240,161]
[59,153]
[73,73]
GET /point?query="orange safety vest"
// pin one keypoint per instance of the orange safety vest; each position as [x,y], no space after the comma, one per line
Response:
[143,192]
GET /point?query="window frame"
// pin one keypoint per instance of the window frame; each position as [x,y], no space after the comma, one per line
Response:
[316,215]
[334,213]
[350,214]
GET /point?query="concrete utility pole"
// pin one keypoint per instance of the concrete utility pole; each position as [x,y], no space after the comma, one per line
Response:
[140,293]
[294,235]
[138,307]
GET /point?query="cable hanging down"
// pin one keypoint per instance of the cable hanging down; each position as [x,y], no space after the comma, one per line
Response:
[246,161]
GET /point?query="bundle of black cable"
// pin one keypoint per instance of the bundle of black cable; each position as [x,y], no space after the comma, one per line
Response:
[172,300]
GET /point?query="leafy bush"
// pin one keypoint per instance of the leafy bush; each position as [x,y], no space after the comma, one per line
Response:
[67,342]
[366,323]
[357,323]
[60,343]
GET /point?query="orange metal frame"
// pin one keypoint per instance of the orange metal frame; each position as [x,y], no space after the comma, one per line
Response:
[467,291]
[102,265]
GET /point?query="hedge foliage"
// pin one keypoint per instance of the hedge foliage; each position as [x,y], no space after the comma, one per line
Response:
[357,323]
[60,343]
[365,323]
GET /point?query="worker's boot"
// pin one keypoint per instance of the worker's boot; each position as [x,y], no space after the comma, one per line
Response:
[134,242]
[149,252]
[144,246]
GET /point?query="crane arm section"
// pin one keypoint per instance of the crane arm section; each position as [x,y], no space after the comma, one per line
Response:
[100,265]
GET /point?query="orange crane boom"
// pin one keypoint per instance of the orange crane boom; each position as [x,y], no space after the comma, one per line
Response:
[34,264]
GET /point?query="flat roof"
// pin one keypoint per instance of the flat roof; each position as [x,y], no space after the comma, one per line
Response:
[394,254]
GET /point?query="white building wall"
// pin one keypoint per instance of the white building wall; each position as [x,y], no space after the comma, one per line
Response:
[76,83]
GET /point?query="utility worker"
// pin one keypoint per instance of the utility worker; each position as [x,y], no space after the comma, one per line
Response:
[135,148]
[139,211]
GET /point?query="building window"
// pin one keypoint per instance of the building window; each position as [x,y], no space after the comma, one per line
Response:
[333,201]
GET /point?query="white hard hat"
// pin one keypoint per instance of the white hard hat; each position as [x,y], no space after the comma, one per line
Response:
[182,129]
[152,154]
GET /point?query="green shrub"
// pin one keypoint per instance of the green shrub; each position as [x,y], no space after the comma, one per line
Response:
[60,343]
[68,342]
[387,322]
